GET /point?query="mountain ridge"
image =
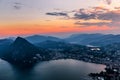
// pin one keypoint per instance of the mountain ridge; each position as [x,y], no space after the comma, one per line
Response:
[41,38]
[96,39]
[93,39]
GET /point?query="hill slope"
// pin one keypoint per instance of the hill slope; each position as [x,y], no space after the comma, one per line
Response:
[23,52]
[93,39]
[40,38]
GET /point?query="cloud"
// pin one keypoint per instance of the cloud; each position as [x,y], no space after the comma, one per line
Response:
[92,23]
[18,5]
[116,7]
[114,16]
[87,24]
[100,14]
[57,14]
[82,14]
[109,2]
[87,14]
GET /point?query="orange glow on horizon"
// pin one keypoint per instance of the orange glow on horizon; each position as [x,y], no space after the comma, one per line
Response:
[50,27]
[46,29]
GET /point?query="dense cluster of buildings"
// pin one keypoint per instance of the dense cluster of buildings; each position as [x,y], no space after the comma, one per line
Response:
[112,72]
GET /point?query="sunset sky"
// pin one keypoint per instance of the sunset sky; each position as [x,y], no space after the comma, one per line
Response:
[59,17]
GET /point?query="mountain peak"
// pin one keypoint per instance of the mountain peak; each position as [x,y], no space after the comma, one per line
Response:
[19,38]
[19,41]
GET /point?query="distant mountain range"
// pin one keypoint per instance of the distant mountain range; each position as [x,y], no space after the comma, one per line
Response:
[93,39]
[41,38]
[82,39]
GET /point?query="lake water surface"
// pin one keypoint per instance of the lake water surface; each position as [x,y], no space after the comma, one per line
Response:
[68,69]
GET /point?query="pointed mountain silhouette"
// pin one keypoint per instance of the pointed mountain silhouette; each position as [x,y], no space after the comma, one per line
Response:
[23,52]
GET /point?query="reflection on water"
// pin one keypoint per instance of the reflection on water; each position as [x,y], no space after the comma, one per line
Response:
[51,70]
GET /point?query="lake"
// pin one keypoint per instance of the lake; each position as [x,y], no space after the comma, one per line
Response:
[68,69]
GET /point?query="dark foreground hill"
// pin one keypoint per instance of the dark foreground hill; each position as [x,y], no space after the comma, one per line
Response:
[22,52]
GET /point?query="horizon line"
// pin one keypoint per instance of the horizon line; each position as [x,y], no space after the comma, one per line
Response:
[57,36]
